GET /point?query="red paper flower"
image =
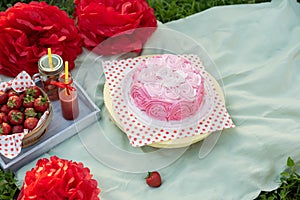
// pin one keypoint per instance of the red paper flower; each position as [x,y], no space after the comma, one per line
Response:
[59,179]
[27,30]
[118,20]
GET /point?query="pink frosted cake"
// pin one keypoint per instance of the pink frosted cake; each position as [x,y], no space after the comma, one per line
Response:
[167,87]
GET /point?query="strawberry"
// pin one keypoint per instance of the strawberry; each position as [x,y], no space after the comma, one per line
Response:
[30,123]
[3,117]
[17,129]
[3,97]
[33,91]
[11,92]
[29,112]
[15,117]
[41,104]
[28,101]
[153,179]
[14,102]
[4,109]
[5,128]
[22,96]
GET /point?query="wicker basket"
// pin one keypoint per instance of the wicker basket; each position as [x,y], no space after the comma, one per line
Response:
[33,136]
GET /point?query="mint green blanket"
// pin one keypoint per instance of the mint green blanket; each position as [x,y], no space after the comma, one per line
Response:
[256,55]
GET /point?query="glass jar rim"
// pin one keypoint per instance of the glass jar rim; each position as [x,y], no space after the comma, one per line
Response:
[44,66]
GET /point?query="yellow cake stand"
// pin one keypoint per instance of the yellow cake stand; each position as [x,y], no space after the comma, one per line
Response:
[176,143]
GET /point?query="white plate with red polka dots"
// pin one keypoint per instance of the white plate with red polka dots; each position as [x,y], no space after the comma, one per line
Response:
[215,118]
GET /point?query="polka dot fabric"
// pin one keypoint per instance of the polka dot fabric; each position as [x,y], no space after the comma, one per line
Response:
[19,84]
[140,133]
[11,145]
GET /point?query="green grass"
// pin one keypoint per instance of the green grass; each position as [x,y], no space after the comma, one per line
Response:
[169,10]
[290,184]
[66,5]
[165,11]
[8,187]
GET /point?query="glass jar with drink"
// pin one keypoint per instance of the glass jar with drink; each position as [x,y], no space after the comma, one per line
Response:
[68,95]
[50,67]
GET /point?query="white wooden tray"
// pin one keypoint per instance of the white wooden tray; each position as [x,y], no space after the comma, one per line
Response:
[58,131]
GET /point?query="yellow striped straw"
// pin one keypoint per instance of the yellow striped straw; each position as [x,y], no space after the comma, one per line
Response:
[50,58]
[66,75]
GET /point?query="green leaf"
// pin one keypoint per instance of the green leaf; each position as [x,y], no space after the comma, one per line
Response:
[290,162]
[8,186]
[285,174]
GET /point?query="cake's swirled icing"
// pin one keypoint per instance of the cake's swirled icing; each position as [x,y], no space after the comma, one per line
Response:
[167,87]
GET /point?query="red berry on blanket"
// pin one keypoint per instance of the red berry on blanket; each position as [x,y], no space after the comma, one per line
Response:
[153,179]
[17,129]
[33,91]
[15,117]
[3,97]
[41,104]
[14,102]
[30,123]
[28,101]
[5,128]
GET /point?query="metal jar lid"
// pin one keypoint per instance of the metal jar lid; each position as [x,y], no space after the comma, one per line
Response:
[45,68]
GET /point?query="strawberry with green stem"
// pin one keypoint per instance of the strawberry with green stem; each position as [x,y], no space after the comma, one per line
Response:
[14,102]
[153,179]
[15,117]
[30,112]
[5,128]
[41,104]
[33,91]
[28,101]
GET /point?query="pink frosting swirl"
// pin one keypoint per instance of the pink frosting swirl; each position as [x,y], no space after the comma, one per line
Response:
[181,110]
[167,87]
[140,96]
[158,109]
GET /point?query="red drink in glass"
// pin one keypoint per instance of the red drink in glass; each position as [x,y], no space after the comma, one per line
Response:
[68,99]
[69,104]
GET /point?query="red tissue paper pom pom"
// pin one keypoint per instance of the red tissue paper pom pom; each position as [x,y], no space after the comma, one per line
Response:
[123,22]
[59,179]
[27,30]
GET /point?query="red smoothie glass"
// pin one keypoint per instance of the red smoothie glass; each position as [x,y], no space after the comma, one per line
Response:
[68,99]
